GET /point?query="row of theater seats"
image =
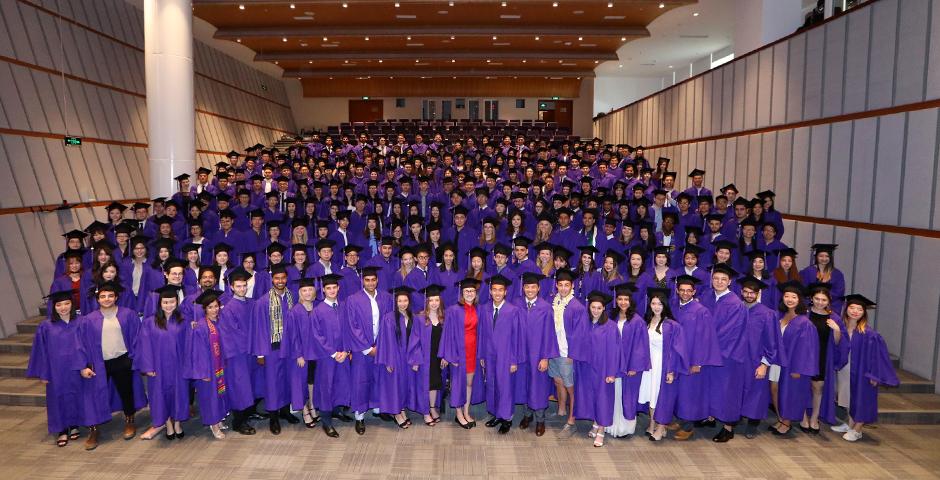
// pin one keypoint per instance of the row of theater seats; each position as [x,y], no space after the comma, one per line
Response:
[451,130]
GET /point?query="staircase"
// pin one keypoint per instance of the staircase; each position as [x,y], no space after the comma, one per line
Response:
[912,403]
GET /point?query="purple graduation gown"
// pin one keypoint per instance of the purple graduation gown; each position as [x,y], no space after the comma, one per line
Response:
[726,382]
[763,343]
[836,280]
[634,347]
[322,337]
[453,348]
[799,354]
[675,360]
[162,351]
[64,282]
[213,404]
[870,362]
[281,373]
[57,358]
[350,283]
[538,334]
[244,379]
[500,345]
[605,361]
[420,355]
[359,336]
[702,346]
[395,386]
[99,396]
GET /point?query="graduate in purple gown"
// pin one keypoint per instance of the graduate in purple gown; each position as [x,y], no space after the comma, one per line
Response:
[703,351]
[833,355]
[75,279]
[726,382]
[243,379]
[799,358]
[870,367]
[322,341]
[108,337]
[634,347]
[669,362]
[56,359]
[351,281]
[588,278]
[425,364]
[762,334]
[361,316]
[272,337]
[540,345]
[393,379]
[205,363]
[448,273]
[501,351]
[422,275]
[459,348]
[74,240]
[159,357]
[823,270]
[604,363]
[572,330]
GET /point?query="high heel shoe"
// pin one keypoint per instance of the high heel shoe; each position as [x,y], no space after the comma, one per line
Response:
[599,438]
[465,426]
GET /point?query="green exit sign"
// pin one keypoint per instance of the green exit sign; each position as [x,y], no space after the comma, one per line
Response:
[555,98]
[73,141]
[365,97]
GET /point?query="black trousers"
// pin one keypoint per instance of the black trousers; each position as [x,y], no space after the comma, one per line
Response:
[120,370]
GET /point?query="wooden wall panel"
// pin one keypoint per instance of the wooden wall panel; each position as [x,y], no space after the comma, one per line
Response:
[441,87]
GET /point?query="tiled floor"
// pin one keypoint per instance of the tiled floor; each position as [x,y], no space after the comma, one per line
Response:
[446,451]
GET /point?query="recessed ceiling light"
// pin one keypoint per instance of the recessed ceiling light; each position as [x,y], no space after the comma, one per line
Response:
[487,61]
[345,61]
[536,38]
[303,44]
[380,60]
[275,62]
[610,4]
[309,61]
[451,37]
[554,4]
[695,14]
[450,4]
[662,5]
[241,7]
[623,39]
[408,37]
[397,4]
[560,61]
[331,78]
[494,37]
[324,39]
[453,61]
[503,4]
[367,39]
[620,66]
[416,61]
[453,78]
[580,38]
[292,6]
[345,5]
[596,62]
[239,40]
[523,61]
[284,39]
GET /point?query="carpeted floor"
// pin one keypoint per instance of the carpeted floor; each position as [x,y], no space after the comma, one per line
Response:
[447,451]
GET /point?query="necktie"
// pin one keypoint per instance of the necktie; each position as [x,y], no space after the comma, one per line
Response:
[530,305]
[495,315]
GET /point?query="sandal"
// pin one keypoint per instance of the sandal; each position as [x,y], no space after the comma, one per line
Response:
[599,438]
[152,432]
[74,433]
[430,422]
[63,440]
[217,431]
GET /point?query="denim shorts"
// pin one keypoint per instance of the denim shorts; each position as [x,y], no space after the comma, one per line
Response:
[560,367]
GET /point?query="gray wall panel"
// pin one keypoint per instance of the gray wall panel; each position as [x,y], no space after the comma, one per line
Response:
[778,106]
[933,55]
[922,302]
[768,156]
[797,173]
[751,78]
[840,159]
[919,162]
[795,76]
[765,75]
[895,258]
[888,187]
[912,50]
[882,54]
[833,65]
[813,80]
[817,171]
[863,160]
[738,99]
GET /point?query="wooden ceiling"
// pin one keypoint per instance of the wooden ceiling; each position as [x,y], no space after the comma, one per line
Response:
[472,39]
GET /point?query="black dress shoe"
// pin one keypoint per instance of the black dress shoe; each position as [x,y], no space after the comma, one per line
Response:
[330,431]
[705,423]
[492,422]
[524,424]
[341,416]
[290,418]
[361,427]
[723,436]
[384,417]
[539,429]
[275,425]
[245,429]
[504,426]
[465,426]
[180,434]
[750,431]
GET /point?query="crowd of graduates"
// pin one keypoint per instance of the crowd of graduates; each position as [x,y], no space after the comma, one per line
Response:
[395,279]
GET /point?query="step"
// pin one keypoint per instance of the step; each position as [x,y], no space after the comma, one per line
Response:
[29,325]
[13,364]
[909,408]
[911,383]
[22,391]
[19,343]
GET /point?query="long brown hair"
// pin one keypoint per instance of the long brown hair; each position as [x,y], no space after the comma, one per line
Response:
[427,313]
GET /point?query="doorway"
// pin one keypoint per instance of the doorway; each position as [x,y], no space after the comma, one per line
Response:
[365,111]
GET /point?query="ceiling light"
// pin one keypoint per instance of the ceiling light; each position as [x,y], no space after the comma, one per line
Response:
[623,39]
[554,4]
[241,7]
[560,61]
[695,14]
[662,5]
[450,4]
[536,38]
[523,61]
[331,78]
[610,4]
[596,62]
[487,61]
[416,61]
[397,4]
[503,4]
[620,66]
[670,66]
[451,37]
[310,61]
[239,40]
[367,39]
[580,38]
[324,39]
[380,60]
[345,5]
[292,6]
[275,62]
[284,39]
[494,37]
[453,61]
[409,37]
[345,61]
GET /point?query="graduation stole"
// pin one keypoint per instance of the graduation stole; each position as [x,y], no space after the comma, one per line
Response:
[276,314]
[215,345]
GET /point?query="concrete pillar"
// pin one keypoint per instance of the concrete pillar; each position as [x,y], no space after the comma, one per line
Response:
[168,61]
[759,22]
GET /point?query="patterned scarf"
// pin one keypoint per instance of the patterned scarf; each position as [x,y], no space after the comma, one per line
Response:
[277,314]
[215,343]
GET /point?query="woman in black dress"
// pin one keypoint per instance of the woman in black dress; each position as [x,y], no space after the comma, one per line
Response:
[424,358]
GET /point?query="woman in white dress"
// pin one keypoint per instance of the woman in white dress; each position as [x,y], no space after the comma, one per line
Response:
[668,358]
[636,361]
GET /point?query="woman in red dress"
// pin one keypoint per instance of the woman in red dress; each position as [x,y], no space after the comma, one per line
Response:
[459,350]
